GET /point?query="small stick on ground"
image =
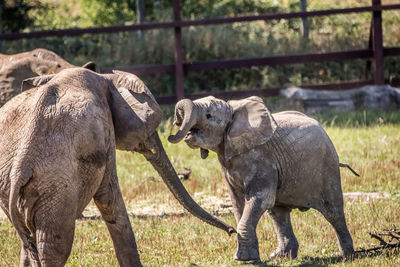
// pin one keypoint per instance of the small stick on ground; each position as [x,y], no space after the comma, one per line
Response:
[393,234]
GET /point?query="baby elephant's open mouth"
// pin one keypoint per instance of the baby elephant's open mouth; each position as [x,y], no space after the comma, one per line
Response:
[190,137]
[193,131]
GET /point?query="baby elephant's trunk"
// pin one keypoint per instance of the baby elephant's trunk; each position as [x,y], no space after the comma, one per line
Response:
[185,117]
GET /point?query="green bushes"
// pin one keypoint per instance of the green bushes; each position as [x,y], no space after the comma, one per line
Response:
[205,43]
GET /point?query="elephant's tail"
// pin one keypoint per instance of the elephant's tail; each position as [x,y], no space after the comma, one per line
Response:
[347,166]
[20,176]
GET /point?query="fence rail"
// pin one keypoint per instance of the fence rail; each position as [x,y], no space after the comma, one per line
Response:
[375,52]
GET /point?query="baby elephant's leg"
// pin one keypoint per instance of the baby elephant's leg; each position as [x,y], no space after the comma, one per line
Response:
[332,209]
[287,242]
[257,201]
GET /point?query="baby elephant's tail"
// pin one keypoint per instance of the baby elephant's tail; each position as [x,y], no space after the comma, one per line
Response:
[347,166]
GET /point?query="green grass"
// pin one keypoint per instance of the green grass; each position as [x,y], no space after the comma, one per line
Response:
[368,141]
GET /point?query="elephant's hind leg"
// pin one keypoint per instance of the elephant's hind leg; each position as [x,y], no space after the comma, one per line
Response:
[55,227]
[287,242]
[334,213]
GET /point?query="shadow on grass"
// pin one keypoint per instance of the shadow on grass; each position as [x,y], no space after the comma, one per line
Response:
[154,216]
[326,261]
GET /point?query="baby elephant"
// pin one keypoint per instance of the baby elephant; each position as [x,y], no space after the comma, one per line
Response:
[271,162]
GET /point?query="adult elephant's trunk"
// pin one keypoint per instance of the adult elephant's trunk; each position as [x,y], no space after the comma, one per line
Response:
[164,167]
[185,116]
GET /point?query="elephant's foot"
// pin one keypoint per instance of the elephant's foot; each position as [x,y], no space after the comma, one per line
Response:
[347,250]
[288,252]
[245,253]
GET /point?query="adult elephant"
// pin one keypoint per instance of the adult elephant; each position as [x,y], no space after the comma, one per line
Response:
[16,68]
[58,142]
[271,162]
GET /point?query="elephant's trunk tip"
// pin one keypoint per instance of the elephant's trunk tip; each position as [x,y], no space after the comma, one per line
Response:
[174,139]
[231,230]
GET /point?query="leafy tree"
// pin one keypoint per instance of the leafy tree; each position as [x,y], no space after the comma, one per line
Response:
[16,14]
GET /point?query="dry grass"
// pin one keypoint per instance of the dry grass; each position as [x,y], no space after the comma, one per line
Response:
[372,149]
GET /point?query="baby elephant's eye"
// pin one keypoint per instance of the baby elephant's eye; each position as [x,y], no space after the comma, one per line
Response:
[208,116]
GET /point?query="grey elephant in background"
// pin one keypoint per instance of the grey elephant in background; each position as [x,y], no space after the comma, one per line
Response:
[58,142]
[16,68]
[271,162]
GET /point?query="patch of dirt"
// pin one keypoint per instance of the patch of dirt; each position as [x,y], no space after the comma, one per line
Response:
[354,195]
[150,208]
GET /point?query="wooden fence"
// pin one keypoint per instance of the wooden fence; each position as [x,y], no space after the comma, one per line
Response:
[375,52]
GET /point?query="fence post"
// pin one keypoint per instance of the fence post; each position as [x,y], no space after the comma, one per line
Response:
[178,53]
[1,30]
[140,15]
[304,21]
[377,44]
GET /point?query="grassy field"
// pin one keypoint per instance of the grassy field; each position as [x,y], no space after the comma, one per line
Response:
[368,141]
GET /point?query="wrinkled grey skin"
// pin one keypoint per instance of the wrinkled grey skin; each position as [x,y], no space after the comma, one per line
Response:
[272,163]
[57,145]
[16,68]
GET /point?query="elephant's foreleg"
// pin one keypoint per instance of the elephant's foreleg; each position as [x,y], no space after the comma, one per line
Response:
[257,201]
[287,242]
[110,203]
[237,198]
[28,258]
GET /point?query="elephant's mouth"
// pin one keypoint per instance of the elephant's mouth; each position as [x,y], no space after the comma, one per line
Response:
[191,136]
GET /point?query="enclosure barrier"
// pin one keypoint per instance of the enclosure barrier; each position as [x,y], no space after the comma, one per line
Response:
[375,52]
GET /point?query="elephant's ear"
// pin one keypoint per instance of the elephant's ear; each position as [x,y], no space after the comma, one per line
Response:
[136,114]
[35,82]
[90,66]
[252,125]
[132,82]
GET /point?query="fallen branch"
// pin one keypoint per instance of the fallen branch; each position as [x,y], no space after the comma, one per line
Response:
[393,234]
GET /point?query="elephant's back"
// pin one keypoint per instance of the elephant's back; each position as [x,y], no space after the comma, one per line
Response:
[310,159]
[293,118]
[303,134]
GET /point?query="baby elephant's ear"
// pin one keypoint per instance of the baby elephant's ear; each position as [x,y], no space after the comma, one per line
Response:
[252,125]
[35,82]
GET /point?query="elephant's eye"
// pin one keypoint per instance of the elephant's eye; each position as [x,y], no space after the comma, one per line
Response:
[208,116]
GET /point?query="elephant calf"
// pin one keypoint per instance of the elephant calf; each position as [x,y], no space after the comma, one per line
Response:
[16,68]
[57,147]
[271,162]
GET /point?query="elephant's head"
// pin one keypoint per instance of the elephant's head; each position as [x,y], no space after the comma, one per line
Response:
[44,62]
[16,68]
[37,62]
[136,116]
[229,128]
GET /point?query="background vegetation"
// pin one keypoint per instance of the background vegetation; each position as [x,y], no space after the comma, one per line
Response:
[367,140]
[238,40]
